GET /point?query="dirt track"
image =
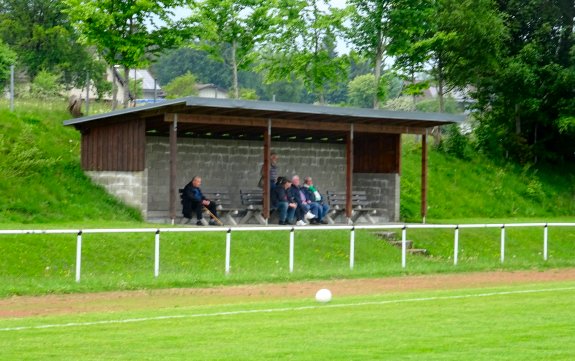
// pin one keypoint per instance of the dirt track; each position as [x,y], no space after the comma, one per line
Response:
[172,298]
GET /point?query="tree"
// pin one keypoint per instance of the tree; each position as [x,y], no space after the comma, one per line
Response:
[42,37]
[301,45]
[177,62]
[229,30]
[525,108]
[7,58]
[361,91]
[182,86]
[368,34]
[126,32]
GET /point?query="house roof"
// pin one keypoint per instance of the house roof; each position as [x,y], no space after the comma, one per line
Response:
[224,115]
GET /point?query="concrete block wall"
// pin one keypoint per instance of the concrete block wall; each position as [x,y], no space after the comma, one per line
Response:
[129,187]
[383,189]
[235,165]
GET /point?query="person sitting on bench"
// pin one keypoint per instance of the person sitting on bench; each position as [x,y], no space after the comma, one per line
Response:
[193,202]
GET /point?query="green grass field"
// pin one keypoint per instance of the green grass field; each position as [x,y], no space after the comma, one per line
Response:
[527,322]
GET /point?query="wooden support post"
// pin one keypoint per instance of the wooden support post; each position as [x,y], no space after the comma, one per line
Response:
[423,177]
[266,171]
[349,175]
[173,164]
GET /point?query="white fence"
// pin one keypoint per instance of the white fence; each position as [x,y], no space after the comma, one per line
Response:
[351,229]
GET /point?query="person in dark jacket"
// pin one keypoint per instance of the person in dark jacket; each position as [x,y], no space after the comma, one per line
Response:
[283,201]
[193,202]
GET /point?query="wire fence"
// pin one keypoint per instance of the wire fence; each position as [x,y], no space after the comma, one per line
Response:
[351,229]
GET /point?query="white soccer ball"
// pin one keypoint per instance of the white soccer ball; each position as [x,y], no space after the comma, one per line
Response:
[323,295]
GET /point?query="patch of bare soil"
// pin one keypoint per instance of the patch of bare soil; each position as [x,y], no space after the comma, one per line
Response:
[27,306]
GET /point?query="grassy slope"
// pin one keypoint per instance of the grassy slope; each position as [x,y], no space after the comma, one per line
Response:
[42,186]
[481,188]
[40,177]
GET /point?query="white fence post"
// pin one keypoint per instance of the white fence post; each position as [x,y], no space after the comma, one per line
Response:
[352,248]
[291,249]
[78,255]
[456,246]
[228,249]
[545,241]
[502,243]
[403,246]
[157,254]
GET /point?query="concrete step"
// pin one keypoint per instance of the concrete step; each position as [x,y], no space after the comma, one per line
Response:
[390,236]
[420,251]
[408,244]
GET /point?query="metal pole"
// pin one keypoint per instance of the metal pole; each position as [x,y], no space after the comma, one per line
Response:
[155,90]
[88,93]
[545,241]
[403,246]
[456,246]
[228,249]
[78,255]
[352,248]
[291,249]
[11,88]
[502,243]
[157,254]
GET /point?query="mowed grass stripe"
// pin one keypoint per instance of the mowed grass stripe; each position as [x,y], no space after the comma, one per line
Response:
[285,309]
[530,323]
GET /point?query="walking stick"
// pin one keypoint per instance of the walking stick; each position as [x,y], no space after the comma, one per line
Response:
[213,216]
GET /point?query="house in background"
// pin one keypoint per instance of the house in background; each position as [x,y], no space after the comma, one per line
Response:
[150,88]
[211,91]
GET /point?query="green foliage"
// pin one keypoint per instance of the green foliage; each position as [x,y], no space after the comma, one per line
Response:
[7,58]
[45,86]
[362,90]
[454,143]
[181,86]
[229,31]
[249,94]
[41,35]
[177,62]
[126,32]
[301,45]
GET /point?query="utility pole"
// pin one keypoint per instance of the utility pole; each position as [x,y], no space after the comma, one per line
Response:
[11,88]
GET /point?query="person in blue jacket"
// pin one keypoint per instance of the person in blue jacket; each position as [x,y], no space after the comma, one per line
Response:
[193,202]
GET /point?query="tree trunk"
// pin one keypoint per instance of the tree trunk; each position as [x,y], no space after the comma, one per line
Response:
[236,90]
[114,89]
[126,86]
[377,75]
[440,90]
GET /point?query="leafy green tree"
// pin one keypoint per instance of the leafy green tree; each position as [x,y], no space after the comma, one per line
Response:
[45,86]
[301,45]
[526,108]
[41,35]
[126,32]
[368,34]
[182,86]
[361,91]
[7,58]
[229,30]
[177,62]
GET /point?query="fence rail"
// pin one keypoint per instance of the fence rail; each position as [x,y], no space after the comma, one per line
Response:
[229,230]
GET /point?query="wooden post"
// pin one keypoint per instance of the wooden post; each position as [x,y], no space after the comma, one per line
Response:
[173,164]
[424,176]
[349,175]
[266,171]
